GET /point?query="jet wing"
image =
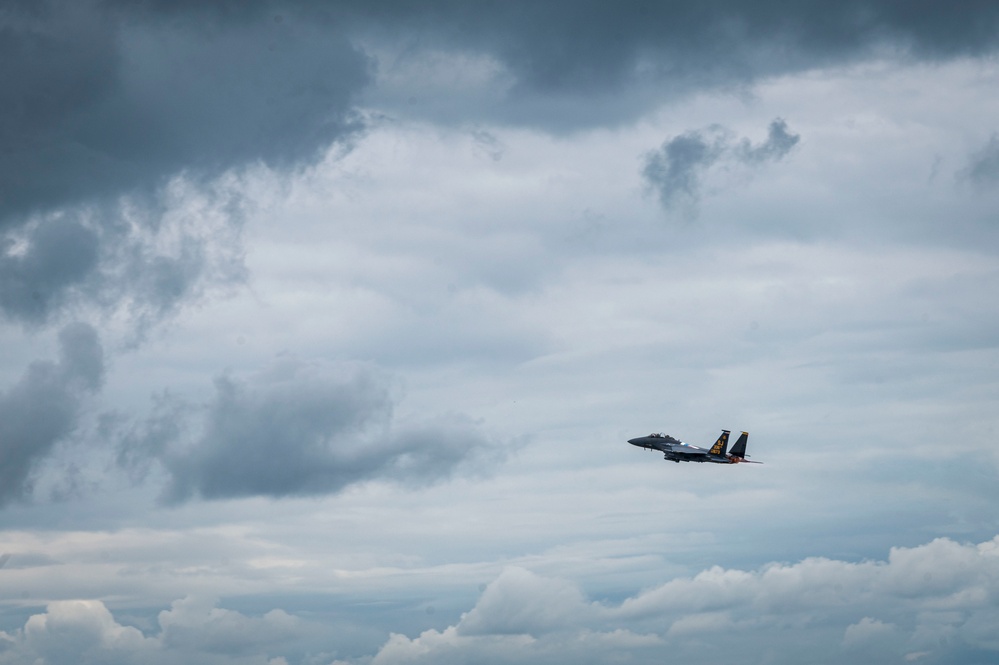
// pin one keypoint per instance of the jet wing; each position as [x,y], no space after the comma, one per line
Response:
[688,451]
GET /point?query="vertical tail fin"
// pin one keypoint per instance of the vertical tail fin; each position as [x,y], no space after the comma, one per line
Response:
[739,449]
[721,445]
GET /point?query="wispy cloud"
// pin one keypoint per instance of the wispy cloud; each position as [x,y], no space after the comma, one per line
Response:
[676,168]
[983,165]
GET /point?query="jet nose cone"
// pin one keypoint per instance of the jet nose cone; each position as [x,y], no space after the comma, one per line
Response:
[634,442]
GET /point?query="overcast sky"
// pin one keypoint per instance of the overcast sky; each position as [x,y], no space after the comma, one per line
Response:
[324,325]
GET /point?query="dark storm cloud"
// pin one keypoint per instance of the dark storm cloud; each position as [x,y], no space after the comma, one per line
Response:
[587,63]
[56,256]
[297,430]
[675,170]
[100,99]
[43,407]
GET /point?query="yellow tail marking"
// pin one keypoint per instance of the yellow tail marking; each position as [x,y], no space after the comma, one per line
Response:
[716,449]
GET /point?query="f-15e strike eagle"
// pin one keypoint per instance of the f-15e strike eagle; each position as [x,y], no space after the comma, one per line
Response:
[678,451]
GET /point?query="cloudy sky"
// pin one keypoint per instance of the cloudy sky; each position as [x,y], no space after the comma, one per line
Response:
[323,326]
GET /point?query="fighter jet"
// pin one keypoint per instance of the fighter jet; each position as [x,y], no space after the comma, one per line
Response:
[678,451]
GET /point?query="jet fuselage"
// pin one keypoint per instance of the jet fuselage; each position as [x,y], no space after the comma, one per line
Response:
[678,451]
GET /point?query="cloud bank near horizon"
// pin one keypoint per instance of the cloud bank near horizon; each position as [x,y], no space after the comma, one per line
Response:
[933,603]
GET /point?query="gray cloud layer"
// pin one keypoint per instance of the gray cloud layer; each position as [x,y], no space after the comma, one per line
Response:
[43,407]
[298,430]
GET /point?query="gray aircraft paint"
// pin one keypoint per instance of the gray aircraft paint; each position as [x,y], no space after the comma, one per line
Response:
[677,451]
